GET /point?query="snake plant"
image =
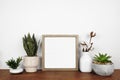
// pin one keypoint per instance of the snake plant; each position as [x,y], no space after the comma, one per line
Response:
[30,45]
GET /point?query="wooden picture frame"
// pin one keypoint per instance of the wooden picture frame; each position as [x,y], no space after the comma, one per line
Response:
[60,52]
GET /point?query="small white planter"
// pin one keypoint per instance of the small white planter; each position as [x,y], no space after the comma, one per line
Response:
[16,71]
[31,63]
[85,64]
[103,70]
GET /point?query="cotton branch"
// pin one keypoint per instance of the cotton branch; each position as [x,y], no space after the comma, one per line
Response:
[86,47]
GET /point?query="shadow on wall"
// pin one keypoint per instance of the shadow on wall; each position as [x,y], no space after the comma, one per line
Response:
[79,54]
[0,58]
[40,53]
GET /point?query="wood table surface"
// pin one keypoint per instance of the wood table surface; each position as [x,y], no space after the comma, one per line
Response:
[57,75]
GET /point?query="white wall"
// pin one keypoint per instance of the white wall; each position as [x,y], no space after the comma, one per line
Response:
[18,17]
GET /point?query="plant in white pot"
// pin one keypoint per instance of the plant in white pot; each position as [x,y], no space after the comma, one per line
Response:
[86,59]
[14,65]
[31,61]
[102,65]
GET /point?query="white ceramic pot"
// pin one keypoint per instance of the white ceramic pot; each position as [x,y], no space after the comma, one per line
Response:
[31,63]
[16,71]
[103,70]
[85,63]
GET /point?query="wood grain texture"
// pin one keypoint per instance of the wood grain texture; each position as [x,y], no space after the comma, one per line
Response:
[52,75]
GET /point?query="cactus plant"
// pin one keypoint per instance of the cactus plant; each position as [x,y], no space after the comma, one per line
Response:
[14,63]
[30,45]
[102,59]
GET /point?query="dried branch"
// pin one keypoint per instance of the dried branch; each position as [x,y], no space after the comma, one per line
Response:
[86,46]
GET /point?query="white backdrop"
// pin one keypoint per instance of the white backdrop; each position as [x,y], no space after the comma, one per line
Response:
[18,17]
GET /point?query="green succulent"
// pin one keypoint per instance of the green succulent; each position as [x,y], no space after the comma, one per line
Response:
[102,59]
[14,63]
[30,45]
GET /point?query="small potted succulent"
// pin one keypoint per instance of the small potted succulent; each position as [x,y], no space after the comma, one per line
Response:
[30,61]
[14,65]
[102,65]
[86,59]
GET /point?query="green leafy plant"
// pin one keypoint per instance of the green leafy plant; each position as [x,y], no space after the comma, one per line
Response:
[88,46]
[30,45]
[102,59]
[14,63]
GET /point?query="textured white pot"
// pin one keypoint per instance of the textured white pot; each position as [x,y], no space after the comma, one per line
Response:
[103,70]
[16,71]
[85,64]
[31,63]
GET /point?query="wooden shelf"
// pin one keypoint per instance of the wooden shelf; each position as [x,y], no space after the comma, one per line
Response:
[55,75]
